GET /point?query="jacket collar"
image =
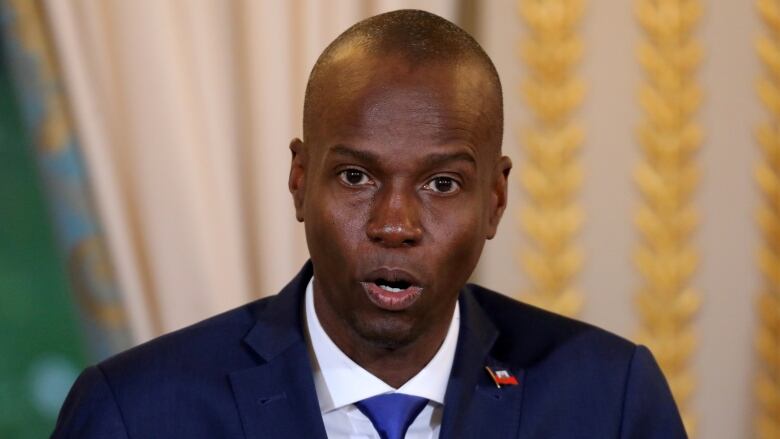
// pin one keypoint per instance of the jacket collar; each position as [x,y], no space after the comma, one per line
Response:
[474,406]
[277,398]
[280,324]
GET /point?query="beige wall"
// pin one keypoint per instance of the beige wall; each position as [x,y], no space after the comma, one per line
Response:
[727,198]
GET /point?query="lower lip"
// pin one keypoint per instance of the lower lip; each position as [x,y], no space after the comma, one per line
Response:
[389,300]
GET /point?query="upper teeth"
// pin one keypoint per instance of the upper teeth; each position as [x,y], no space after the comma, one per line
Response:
[389,288]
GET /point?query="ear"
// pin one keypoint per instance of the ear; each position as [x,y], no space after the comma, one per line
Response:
[297,179]
[499,194]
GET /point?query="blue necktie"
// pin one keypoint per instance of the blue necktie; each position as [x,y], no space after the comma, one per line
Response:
[392,413]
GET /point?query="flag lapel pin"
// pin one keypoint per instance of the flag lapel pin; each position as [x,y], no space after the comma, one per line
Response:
[501,377]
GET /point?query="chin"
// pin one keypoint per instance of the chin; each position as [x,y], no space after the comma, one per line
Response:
[387,333]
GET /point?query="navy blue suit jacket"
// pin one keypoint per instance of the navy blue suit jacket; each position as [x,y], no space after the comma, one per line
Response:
[246,374]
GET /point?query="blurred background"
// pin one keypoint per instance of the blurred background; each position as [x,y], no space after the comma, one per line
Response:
[144,161]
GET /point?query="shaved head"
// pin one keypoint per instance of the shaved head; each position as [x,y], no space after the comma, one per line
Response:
[420,39]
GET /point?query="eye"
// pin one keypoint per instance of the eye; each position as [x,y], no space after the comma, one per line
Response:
[443,185]
[354,177]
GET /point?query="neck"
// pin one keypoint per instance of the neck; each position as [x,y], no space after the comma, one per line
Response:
[398,364]
[393,363]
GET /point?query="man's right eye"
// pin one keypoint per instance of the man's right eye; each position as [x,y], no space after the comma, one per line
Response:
[354,177]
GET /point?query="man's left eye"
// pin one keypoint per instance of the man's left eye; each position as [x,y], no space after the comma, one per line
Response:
[444,185]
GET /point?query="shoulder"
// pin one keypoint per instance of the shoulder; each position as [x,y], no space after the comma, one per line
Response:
[531,335]
[578,377]
[194,353]
[178,375]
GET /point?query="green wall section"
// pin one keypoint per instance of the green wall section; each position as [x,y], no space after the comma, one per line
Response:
[40,347]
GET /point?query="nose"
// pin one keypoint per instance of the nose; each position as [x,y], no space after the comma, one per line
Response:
[395,219]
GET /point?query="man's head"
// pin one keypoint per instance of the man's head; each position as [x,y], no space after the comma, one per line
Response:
[418,37]
[399,178]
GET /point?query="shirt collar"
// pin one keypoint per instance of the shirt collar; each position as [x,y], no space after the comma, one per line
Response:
[339,381]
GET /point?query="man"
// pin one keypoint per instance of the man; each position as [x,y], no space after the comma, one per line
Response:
[399,180]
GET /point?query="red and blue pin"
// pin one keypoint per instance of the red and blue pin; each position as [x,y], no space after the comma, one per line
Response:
[501,377]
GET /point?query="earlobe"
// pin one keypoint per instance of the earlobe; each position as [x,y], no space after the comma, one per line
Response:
[297,179]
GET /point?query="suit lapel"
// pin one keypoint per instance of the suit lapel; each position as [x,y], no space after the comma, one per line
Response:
[277,398]
[473,405]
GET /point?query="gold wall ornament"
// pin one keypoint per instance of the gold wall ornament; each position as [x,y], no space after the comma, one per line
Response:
[667,178]
[551,174]
[767,342]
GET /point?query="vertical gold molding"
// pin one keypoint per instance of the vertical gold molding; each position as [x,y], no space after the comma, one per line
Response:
[767,384]
[551,175]
[667,178]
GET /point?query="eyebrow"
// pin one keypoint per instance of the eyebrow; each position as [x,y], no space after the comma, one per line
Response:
[363,156]
[439,159]
[431,160]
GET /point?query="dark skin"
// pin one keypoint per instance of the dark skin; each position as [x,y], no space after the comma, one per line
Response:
[400,174]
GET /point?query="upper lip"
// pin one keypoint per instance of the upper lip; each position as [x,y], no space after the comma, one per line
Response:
[393,275]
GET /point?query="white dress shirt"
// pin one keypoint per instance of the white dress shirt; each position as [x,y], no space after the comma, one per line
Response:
[340,383]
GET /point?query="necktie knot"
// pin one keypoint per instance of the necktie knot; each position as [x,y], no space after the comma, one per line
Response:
[392,413]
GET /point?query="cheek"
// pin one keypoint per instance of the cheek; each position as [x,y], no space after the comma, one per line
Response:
[458,235]
[336,223]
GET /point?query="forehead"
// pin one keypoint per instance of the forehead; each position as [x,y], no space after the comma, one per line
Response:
[362,95]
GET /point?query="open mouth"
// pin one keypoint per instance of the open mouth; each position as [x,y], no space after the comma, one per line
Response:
[392,286]
[392,290]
